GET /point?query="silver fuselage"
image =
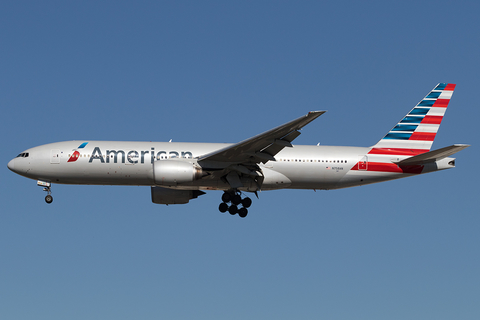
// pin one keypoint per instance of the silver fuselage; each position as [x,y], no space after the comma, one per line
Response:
[131,163]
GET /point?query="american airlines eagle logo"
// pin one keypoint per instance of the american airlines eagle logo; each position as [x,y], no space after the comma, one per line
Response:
[74,157]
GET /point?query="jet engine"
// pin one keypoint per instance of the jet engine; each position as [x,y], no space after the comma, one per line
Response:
[170,196]
[173,172]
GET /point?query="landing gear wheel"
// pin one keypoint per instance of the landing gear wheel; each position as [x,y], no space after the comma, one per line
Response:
[226,197]
[242,212]
[236,200]
[223,207]
[233,209]
[48,199]
[247,202]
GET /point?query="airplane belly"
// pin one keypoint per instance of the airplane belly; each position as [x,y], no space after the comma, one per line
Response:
[94,174]
[357,178]
[274,180]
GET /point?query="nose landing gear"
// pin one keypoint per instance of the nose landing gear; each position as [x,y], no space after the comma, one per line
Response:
[48,198]
[47,188]
[235,198]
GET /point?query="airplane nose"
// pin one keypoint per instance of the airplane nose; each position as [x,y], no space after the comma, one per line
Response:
[11,165]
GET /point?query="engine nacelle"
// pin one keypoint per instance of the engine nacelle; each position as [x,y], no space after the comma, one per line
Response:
[173,172]
[170,196]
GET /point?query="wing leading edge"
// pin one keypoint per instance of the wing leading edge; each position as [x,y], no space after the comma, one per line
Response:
[262,147]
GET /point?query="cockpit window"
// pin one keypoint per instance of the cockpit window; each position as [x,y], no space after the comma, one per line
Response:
[23,155]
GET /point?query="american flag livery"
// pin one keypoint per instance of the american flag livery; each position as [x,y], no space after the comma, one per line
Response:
[412,136]
[415,133]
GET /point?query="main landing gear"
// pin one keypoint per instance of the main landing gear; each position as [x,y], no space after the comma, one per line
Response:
[47,188]
[235,198]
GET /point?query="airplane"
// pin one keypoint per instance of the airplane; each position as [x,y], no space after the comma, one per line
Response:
[178,172]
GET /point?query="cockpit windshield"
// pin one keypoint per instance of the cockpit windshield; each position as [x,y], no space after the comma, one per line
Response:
[23,155]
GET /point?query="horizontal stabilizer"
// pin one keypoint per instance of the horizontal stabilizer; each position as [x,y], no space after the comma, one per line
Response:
[432,156]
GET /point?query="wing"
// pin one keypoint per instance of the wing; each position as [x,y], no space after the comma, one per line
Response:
[262,147]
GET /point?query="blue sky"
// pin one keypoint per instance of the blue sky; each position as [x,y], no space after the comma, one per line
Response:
[217,71]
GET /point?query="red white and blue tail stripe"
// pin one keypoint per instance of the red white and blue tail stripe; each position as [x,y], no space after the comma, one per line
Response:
[415,133]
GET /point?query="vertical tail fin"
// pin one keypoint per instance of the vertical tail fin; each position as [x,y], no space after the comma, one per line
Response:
[415,133]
